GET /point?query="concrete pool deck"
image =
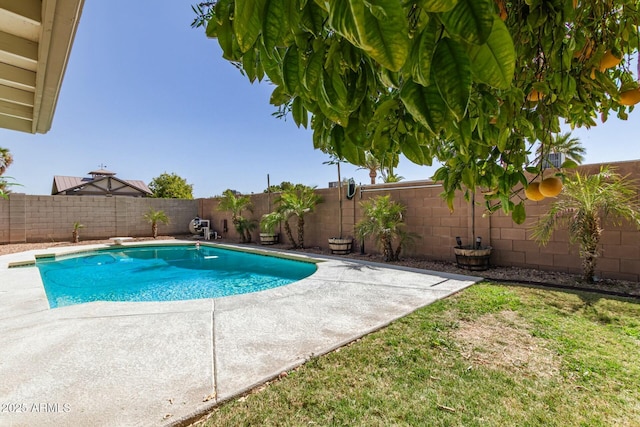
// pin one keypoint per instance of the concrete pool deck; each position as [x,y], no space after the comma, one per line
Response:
[162,363]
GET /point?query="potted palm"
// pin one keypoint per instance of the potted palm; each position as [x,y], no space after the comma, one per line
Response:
[474,256]
[339,245]
[268,224]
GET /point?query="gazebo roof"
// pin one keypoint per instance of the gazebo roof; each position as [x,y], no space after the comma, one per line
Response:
[35,42]
[101,172]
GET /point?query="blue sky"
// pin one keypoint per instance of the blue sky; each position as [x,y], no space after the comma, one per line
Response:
[144,94]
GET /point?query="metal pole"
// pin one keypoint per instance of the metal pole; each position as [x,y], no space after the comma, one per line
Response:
[340,199]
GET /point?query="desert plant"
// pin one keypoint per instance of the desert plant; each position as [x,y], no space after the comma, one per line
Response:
[235,204]
[584,204]
[75,234]
[269,222]
[297,201]
[154,217]
[383,221]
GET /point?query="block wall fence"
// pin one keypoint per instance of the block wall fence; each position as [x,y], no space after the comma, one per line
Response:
[25,218]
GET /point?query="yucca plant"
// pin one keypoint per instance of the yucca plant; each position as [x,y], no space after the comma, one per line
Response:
[383,221]
[584,204]
[154,217]
[297,201]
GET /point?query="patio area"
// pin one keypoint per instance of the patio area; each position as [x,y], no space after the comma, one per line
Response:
[107,363]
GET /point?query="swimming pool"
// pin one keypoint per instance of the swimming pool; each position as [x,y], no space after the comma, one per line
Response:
[163,273]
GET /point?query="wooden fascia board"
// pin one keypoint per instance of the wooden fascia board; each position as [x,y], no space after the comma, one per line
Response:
[60,20]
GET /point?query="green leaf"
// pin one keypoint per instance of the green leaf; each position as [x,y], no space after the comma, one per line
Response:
[422,54]
[328,103]
[249,64]
[224,30]
[452,76]
[313,70]
[291,70]
[247,22]
[312,18]
[425,105]
[470,20]
[279,96]
[494,62]
[569,164]
[378,27]
[519,215]
[299,113]
[274,25]
[437,5]
[413,151]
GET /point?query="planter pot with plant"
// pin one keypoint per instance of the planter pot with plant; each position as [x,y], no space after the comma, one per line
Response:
[339,245]
[473,257]
[268,224]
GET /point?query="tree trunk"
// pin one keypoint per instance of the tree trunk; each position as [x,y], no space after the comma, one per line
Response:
[397,253]
[387,250]
[76,236]
[301,232]
[373,174]
[589,249]
[287,230]
[154,229]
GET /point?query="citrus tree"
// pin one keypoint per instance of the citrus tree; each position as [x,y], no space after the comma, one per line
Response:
[585,203]
[489,78]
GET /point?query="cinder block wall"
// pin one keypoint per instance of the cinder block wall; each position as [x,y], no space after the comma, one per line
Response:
[26,218]
[620,244]
[42,218]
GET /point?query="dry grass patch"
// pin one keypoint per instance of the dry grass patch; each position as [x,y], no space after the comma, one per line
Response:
[503,341]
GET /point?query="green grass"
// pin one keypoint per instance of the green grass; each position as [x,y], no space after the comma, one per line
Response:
[489,356]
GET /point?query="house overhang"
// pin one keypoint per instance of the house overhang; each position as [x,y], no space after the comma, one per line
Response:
[35,42]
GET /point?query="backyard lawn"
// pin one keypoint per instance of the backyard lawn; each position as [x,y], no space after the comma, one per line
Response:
[491,355]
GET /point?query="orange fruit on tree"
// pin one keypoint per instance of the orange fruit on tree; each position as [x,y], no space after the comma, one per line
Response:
[609,60]
[535,95]
[550,187]
[533,192]
[630,97]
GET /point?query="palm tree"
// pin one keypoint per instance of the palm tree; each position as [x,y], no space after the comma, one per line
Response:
[383,221]
[235,203]
[585,203]
[389,176]
[372,164]
[154,217]
[5,159]
[562,144]
[297,201]
[75,234]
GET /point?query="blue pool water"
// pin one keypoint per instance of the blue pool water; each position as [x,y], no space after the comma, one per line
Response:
[163,273]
